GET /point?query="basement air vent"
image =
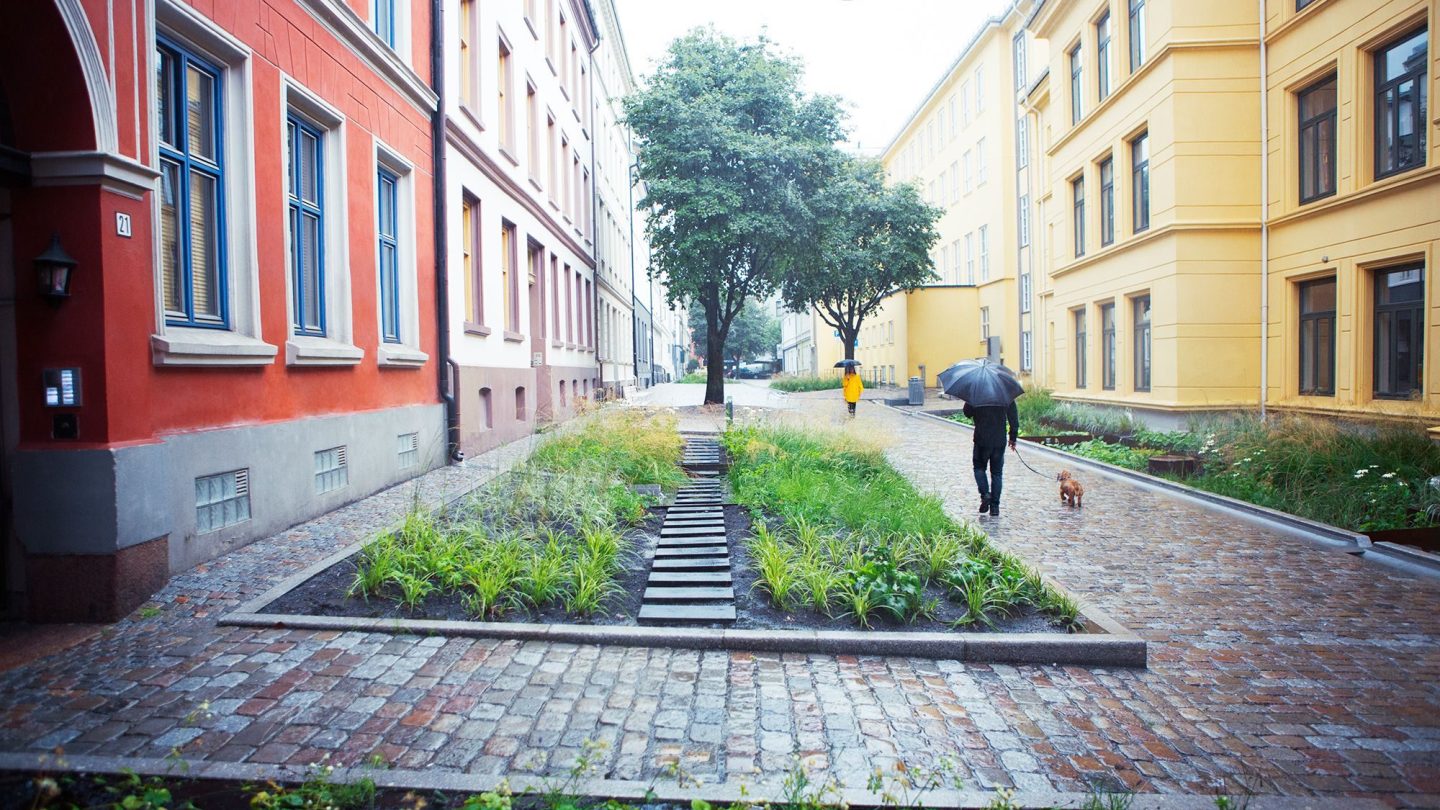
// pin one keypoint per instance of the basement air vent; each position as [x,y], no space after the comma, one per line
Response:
[409,449]
[221,500]
[331,472]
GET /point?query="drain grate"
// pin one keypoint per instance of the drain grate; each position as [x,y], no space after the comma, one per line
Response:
[690,576]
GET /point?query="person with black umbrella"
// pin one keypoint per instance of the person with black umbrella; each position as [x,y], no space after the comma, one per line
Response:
[989,390]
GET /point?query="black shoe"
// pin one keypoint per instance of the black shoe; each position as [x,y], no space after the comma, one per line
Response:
[995,509]
[984,507]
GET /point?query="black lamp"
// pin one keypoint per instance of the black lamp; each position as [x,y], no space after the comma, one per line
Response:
[54,267]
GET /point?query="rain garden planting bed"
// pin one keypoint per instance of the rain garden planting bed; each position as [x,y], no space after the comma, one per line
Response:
[1364,478]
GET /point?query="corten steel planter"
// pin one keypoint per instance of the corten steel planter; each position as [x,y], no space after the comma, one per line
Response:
[1059,438]
[1174,464]
[1425,539]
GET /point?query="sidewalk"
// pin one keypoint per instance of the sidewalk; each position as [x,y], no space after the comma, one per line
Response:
[1277,667]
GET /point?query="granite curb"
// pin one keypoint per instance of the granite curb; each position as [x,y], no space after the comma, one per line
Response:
[752,794]
[1116,647]
[1332,536]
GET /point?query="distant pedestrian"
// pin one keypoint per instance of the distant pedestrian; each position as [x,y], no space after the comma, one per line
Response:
[990,441]
[852,387]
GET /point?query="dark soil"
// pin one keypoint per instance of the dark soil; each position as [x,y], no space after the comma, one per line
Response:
[324,595]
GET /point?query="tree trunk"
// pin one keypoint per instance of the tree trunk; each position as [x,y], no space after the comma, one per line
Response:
[848,338]
[714,362]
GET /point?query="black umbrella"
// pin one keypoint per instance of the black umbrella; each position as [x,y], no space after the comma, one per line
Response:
[847,363]
[981,383]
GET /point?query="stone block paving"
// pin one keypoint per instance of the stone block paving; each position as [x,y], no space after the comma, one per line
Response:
[1277,666]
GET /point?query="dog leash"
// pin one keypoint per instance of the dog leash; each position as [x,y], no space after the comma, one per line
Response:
[1027,464]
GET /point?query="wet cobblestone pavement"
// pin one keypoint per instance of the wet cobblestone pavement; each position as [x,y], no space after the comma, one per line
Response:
[1277,666]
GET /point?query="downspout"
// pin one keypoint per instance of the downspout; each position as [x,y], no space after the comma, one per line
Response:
[442,279]
[1264,219]
[594,217]
[634,321]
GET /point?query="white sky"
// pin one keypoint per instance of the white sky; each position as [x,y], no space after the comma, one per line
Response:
[880,56]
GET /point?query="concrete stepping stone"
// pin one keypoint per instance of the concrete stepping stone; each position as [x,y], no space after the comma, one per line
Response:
[680,614]
[692,551]
[690,578]
[692,531]
[675,594]
[691,564]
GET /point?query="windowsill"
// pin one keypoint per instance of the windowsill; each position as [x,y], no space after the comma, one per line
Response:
[472,328]
[397,355]
[505,152]
[534,32]
[536,184]
[550,63]
[513,337]
[555,344]
[180,346]
[305,350]
[554,205]
[1338,200]
[472,116]
[570,345]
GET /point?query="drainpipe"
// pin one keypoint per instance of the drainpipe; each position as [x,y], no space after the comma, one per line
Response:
[594,215]
[1264,220]
[445,364]
[634,321]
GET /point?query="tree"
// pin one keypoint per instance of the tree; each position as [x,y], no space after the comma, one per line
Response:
[753,333]
[870,242]
[730,150]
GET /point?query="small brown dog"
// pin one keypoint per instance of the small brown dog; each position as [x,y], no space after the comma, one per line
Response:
[1070,490]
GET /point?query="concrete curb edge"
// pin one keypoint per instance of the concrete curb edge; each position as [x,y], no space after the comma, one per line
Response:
[623,790]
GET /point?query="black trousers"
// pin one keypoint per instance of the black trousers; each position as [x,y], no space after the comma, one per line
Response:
[992,458]
[851,406]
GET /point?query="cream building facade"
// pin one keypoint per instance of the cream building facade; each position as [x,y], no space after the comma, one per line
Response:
[1157,256]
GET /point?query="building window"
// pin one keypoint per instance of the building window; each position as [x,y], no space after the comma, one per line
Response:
[1107,201]
[522,413]
[332,470]
[469,78]
[1080,348]
[387,203]
[192,184]
[385,21]
[954,182]
[979,89]
[1142,343]
[1022,142]
[1024,292]
[221,500]
[984,323]
[1301,4]
[307,226]
[407,449]
[965,102]
[1137,34]
[1018,47]
[1022,211]
[1107,346]
[969,258]
[1077,189]
[470,260]
[980,162]
[1399,331]
[1400,122]
[1076,88]
[969,178]
[1140,180]
[509,277]
[503,115]
[1317,337]
[1026,348]
[1102,67]
[984,253]
[532,133]
[487,410]
[1317,140]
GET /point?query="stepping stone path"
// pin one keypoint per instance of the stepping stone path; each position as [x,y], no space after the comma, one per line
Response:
[690,576]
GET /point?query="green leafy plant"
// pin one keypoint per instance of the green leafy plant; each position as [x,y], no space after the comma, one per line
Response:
[317,792]
[794,384]
[887,587]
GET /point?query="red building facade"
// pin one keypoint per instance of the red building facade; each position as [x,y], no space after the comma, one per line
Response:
[250,337]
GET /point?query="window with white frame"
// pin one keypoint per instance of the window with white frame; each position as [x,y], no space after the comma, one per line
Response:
[317,233]
[984,253]
[1022,209]
[954,181]
[979,89]
[969,178]
[1026,349]
[1024,292]
[399,304]
[955,253]
[970,258]
[1022,142]
[384,21]
[984,323]
[965,102]
[980,162]
[206,287]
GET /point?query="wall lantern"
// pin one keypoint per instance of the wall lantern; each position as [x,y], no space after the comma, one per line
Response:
[53,267]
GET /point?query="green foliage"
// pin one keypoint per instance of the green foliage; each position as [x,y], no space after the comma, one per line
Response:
[872,240]
[1131,458]
[793,384]
[856,537]
[692,378]
[546,534]
[730,152]
[130,791]
[753,333]
[317,792]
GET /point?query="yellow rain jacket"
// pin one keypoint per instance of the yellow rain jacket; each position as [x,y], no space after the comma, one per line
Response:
[852,387]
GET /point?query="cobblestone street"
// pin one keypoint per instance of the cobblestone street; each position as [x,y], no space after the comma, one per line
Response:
[1276,666]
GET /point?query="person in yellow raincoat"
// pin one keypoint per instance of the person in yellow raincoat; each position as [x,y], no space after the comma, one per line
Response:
[852,387]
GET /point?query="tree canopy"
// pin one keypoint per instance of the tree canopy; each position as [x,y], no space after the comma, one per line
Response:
[731,152]
[870,242]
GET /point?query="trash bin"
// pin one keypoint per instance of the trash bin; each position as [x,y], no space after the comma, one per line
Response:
[917,391]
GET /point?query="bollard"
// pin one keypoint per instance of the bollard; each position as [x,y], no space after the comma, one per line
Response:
[729,410]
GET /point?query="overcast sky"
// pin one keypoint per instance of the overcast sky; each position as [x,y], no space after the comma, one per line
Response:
[881,56]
